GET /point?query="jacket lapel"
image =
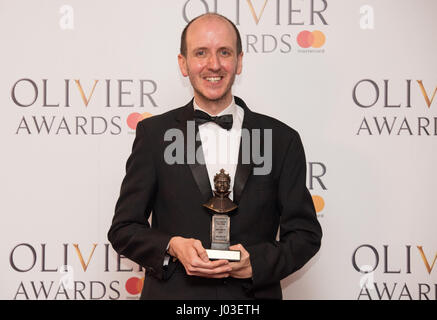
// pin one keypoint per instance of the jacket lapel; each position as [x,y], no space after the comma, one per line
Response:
[198,169]
[243,169]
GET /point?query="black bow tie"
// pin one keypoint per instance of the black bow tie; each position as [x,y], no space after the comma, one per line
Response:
[224,121]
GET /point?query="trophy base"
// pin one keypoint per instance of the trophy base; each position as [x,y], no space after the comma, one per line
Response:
[230,255]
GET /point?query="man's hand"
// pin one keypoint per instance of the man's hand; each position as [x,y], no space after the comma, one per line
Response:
[241,269]
[194,258]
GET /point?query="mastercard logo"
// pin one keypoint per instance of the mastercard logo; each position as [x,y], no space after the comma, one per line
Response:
[134,285]
[319,203]
[133,119]
[315,39]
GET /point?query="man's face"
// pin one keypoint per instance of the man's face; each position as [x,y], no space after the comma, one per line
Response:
[211,62]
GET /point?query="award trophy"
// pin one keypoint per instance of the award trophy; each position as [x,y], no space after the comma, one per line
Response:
[220,206]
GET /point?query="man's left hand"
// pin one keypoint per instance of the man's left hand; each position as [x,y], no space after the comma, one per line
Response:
[241,269]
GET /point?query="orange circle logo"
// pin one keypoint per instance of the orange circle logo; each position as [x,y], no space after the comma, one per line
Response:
[315,39]
[133,119]
[319,203]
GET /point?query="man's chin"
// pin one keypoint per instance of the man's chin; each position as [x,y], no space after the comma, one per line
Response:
[213,98]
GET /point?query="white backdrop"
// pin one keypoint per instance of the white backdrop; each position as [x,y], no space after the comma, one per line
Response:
[362,98]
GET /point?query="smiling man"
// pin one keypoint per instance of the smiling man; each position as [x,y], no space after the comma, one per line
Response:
[172,248]
[211,57]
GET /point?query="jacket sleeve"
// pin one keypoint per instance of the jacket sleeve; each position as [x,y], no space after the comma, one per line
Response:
[300,232]
[130,233]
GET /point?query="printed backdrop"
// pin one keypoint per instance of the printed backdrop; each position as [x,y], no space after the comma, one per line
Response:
[357,79]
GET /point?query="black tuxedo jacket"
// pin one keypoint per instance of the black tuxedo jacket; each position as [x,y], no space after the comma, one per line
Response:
[174,195]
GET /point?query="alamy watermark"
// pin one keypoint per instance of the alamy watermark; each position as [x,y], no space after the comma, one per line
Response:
[367,279]
[67,280]
[256,147]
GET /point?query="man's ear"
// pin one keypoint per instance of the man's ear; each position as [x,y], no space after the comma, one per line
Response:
[240,63]
[183,65]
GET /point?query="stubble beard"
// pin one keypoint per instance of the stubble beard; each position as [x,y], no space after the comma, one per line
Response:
[218,100]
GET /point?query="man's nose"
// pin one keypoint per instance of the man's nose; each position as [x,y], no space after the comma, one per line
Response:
[214,62]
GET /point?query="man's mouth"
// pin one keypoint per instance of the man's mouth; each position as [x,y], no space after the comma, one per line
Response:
[213,79]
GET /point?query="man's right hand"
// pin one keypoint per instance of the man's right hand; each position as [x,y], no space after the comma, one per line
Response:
[194,258]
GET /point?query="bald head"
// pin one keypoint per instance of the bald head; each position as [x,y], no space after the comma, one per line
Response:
[206,17]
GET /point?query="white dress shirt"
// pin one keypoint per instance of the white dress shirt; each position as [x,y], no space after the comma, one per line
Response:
[220,146]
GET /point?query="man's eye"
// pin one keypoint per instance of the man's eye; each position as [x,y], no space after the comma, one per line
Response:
[200,53]
[225,52]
